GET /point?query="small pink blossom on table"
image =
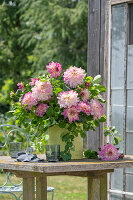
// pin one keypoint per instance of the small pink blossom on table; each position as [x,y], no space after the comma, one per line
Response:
[108,152]
[121,155]
[74,76]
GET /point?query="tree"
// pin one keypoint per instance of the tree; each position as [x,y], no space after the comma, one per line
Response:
[61,31]
[14,63]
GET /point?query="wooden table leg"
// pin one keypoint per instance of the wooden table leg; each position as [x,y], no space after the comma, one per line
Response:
[97,187]
[28,188]
[41,187]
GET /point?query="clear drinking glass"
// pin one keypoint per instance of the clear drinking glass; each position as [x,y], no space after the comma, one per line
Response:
[14,148]
[52,153]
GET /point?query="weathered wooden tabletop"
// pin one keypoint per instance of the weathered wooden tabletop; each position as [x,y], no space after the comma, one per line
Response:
[73,166]
[95,171]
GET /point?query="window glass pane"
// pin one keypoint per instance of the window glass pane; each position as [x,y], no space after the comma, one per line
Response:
[117,121]
[129,143]
[129,197]
[130,67]
[129,119]
[129,97]
[129,170]
[117,179]
[118,46]
[129,183]
[115,197]
[117,97]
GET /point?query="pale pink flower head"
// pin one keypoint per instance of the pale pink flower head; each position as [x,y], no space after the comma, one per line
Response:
[71,113]
[29,100]
[74,76]
[54,69]
[41,109]
[67,99]
[85,107]
[85,94]
[108,152]
[20,86]
[33,81]
[42,90]
[97,109]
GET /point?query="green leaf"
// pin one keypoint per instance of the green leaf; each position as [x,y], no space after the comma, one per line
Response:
[96,122]
[97,79]
[89,79]
[103,119]
[91,154]
[50,112]
[10,114]
[62,124]
[106,133]
[119,138]
[85,126]
[72,127]
[82,133]
[101,88]
[116,141]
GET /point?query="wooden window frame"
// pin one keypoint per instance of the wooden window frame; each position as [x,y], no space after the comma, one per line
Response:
[109,4]
[115,2]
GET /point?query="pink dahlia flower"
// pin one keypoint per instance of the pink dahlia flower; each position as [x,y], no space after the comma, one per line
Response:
[97,109]
[20,86]
[29,100]
[41,109]
[108,152]
[33,81]
[71,113]
[42,90]
[68,99]
[85,94]
[85,107]
[54,69]
[74,76]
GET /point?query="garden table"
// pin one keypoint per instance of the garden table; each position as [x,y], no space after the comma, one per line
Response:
[95,171]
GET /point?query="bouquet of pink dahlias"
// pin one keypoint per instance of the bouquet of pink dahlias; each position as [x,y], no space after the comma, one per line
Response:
[66,99]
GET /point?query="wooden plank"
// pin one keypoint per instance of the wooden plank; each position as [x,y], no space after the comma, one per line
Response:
[28,189]
[93,37]
[22,174]
[107,62]
[41,188]
[97,187]
[114,2]
[96,32]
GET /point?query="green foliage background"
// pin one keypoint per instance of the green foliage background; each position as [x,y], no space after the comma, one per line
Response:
[32,33]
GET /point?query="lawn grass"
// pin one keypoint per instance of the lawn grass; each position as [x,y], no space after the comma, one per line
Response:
[66,187]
